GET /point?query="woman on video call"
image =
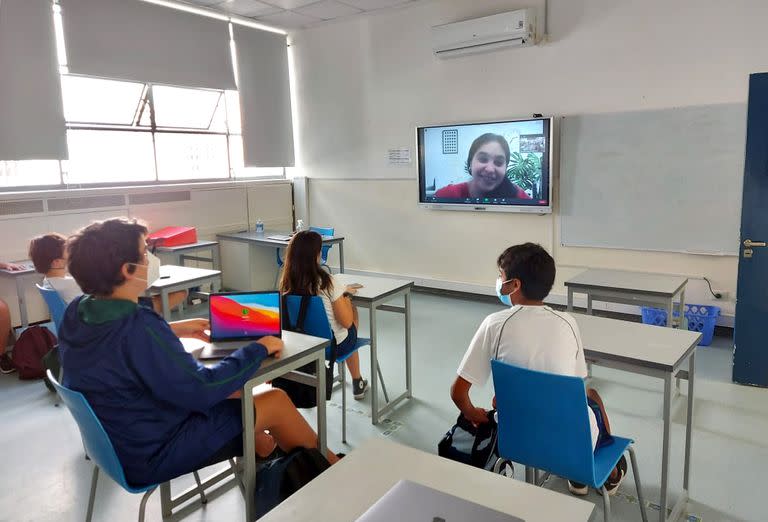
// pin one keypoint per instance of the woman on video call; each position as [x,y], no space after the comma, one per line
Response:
[487,164]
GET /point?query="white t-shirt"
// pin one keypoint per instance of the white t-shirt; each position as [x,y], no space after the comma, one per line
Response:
[339,332]
[533,337]
[65,286]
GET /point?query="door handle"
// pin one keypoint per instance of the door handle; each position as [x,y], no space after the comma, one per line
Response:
[748,243]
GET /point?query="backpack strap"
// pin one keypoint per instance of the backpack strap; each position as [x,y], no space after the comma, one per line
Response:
[303,307]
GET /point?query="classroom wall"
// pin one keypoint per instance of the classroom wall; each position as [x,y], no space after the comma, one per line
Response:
[364,84]
[212,208]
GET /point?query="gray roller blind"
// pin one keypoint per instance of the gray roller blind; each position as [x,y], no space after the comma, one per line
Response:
[31,114]
[135,40]
[265,97]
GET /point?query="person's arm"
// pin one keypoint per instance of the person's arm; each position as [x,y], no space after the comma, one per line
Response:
[341,302]
[174,376]
[460,397]
[475,368]
[11,267]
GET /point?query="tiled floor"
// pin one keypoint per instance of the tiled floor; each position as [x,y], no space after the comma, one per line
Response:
[45,478]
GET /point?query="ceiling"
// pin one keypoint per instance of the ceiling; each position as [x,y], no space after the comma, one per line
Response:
[296,14]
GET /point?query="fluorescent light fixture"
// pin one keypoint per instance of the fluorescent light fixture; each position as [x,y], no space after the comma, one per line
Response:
[294,106]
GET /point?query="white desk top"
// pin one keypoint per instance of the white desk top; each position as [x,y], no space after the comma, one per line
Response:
[264,237]
[295,345]
[373,287]
[372,469]
[657,284]
[189,246]
[181,274]
[635,343]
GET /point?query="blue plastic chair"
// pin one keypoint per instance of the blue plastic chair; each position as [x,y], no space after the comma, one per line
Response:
[324,231]
[99,449]
[316,324]
[56,305]
[544,424]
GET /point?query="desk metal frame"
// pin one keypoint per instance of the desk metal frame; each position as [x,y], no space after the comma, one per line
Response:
[378,303]
[182,253]
[166,290]
[666,374]
[18,277]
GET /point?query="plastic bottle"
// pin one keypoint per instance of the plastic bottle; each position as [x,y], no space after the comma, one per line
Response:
[259,226]
[299,225]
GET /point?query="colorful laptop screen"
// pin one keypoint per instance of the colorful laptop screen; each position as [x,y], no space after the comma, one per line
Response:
[243,316]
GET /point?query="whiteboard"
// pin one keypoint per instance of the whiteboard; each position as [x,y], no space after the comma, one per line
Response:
[666,180]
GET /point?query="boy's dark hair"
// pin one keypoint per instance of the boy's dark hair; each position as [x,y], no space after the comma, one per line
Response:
[532,265]
[45,249]
[98,252]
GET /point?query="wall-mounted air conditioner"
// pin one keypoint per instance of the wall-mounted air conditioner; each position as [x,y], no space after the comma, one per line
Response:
[512,29]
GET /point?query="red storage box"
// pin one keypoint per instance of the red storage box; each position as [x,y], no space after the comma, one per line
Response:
[173,236]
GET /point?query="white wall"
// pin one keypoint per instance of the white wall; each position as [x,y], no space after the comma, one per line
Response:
[212,208]
[364,84]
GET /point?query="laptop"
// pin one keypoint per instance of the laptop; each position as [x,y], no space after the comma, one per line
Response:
[409,501]
[239,318]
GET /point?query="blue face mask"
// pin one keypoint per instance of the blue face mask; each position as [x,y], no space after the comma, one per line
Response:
[505,299]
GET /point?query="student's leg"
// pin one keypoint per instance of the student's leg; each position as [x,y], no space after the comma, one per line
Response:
[265,443]
[5,325]
[353,365]
[275,412]
[594,396]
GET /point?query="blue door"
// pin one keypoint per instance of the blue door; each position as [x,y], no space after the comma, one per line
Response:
[750,351]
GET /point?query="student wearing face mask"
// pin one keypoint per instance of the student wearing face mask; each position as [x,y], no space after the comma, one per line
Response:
[530,335]
[165,414]
[49,255]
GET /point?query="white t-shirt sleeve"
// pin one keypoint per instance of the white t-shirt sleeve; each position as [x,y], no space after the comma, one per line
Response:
[337,291]
[475,367]
[66,287]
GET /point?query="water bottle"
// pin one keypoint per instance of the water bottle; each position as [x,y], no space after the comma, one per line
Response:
[299,225]
[259,226]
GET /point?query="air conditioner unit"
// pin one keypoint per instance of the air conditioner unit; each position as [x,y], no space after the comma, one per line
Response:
[512,29]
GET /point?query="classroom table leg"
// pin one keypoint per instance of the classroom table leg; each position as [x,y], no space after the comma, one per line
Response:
[22,302]
[249,453]
[689,421]
[665,446]
[408,373]
[341,257]
[670,313]
[165,304]
[589,304]
[570,299]
[215,257]
[374,366]
[322,440]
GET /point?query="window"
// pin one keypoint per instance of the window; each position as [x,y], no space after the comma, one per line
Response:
[133,132]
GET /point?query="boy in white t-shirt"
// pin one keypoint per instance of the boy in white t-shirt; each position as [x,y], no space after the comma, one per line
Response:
[530,335]
[49,255]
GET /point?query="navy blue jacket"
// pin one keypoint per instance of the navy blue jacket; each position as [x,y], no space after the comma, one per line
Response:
[164,412]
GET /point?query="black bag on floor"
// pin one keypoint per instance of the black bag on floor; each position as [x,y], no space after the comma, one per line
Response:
[280,478]
[476,446]
[303,395]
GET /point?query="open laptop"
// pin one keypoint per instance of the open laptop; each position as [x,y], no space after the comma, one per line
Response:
[239,318]
[408,501]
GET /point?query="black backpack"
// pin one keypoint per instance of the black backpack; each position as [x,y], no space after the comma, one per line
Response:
[476,446]
[280,478]
[304,395]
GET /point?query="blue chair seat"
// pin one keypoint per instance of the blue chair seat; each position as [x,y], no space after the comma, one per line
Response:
[56,305]
[606,459]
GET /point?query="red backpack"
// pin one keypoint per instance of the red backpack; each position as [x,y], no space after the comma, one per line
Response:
[30,348]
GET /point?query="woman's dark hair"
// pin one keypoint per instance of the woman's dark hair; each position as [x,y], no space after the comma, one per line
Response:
[505,189]
[302,275]
[98,252]
[532,265]
[45,249]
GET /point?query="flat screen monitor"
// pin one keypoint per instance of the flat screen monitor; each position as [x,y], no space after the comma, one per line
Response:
[496,166]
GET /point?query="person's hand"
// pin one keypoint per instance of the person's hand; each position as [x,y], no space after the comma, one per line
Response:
[192,328]
[11,267]
[351,290]
[477,416]
[274,345]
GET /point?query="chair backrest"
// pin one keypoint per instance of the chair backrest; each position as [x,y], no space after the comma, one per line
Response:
[316,322]
[95,439]
[324,231]
[543,421]
[56,305]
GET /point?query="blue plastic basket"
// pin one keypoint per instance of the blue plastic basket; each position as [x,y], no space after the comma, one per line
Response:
[700,318]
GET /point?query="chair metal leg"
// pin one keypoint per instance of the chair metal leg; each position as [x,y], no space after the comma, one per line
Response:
[143,505]
[606,505]
[343,376]
[92,497]
[636,473]
[381,379]
[203,498]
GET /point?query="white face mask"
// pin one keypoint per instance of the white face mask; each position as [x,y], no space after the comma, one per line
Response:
[153,269]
